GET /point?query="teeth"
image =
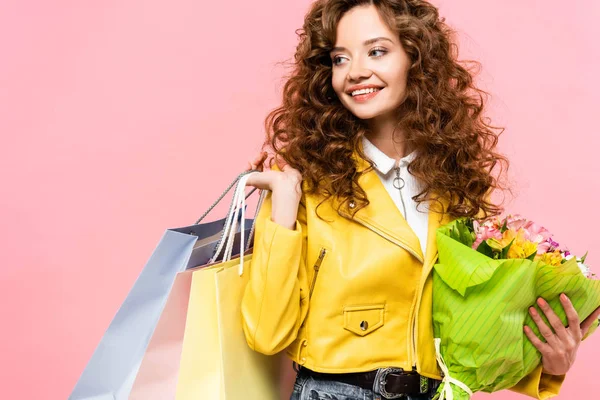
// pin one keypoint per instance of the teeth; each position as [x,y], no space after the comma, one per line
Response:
[364,91]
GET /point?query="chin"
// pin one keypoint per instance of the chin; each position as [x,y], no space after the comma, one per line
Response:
[366,114]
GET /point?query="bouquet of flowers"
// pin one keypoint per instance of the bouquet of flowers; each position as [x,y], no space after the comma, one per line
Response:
[488,275]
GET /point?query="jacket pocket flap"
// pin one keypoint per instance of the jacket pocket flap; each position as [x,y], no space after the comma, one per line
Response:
[363,320]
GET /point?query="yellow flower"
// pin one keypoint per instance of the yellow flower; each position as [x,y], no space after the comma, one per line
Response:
[521,250]
[498,245]
[521,247]
[551,258]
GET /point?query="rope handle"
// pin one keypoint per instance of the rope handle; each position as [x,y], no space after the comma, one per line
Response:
[447,393]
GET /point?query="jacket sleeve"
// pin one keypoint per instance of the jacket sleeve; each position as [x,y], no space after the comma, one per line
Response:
[274,302]
[539,385]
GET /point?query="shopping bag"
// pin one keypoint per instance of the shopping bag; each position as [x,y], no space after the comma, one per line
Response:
[216,361]
[157,375]
[114,365]
[158,372]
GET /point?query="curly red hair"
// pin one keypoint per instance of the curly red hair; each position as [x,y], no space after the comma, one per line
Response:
[442,114]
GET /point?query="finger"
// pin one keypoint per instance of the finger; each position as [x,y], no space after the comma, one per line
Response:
[555,322]
[257,163]
[259,181]
[264,159]
[280,162]
[269,161]
[544,329]
[572,317]
[544,348]
[260,157]
[587,323]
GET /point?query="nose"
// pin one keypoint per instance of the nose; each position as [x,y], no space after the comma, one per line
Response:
[356,72]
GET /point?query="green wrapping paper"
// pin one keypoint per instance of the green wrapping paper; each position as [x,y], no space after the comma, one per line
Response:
[480,306]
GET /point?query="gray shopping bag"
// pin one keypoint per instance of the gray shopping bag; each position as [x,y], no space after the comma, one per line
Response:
[111,372]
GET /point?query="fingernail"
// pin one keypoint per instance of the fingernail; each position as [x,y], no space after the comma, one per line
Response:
[532,310]
[563,296]
[541,301]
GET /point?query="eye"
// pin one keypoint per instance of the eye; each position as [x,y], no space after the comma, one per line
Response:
[384,51]
[334,60]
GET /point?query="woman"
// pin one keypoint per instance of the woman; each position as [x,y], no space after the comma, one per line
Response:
[379,141]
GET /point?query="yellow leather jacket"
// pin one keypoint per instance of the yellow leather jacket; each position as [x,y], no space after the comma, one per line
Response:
[350,295]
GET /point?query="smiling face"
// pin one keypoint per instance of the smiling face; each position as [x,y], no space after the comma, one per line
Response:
[360,60]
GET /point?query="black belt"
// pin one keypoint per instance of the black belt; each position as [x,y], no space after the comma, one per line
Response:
[392,382]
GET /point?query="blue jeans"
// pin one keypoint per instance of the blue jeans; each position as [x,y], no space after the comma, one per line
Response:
[309,388]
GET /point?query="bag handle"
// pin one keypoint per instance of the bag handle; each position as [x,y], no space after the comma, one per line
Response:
[231,222]
[230,213]
[223,195]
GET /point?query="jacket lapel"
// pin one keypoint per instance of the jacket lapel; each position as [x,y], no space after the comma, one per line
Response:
[436,220]
[383,217]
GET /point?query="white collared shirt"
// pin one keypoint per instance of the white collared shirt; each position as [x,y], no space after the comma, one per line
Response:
[387,172]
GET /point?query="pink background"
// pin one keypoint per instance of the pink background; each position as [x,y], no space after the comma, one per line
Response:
[121,119]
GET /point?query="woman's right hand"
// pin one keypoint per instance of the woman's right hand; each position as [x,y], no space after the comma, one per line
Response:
[285,185]
[270,179]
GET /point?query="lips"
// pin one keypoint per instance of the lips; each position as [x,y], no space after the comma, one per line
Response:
[360,87]
[362,94]
[361,98]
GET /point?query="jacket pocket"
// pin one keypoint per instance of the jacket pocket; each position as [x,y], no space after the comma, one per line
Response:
[362,320]
[316,268]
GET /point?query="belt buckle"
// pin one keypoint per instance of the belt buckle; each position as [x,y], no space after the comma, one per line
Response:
[380,382]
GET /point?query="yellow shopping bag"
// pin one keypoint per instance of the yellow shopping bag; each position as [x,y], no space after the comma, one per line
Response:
[216,361]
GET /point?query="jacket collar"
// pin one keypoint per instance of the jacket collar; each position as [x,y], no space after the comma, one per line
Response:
[382,161]
[383,217]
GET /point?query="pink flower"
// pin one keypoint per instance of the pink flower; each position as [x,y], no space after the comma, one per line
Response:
[533,232]
[541,235]
[515,222]
[489,229]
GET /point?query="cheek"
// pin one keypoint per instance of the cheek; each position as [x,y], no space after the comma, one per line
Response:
[337,81]
[396,72]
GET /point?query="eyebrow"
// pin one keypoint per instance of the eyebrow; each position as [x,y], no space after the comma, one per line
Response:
[365,43]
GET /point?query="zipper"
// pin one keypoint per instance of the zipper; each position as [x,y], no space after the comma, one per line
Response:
[414,335]
[399,184]
[316,267]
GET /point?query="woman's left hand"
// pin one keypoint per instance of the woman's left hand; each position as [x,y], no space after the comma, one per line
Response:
[560,348]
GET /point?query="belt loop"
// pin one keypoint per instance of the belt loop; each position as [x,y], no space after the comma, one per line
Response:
[423,384]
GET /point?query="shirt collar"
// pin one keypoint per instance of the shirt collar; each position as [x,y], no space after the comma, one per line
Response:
[383,163]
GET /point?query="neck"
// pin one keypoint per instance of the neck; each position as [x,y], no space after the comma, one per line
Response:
[388,137]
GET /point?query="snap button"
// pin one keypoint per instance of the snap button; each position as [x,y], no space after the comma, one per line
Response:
[364,319]
[302,360]
[352,204]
